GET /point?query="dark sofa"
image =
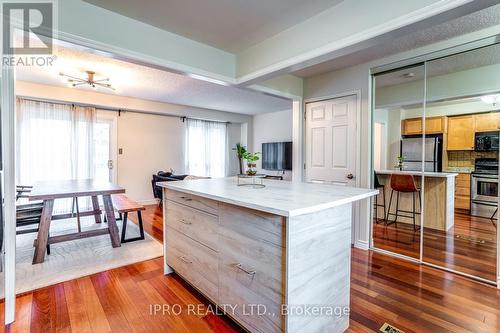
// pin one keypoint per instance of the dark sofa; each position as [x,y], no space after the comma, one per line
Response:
[163,176]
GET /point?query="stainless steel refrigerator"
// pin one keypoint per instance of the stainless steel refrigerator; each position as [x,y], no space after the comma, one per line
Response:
[411,149]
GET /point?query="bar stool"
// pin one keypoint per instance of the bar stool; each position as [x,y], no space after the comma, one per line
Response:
[380,187]
[406,184]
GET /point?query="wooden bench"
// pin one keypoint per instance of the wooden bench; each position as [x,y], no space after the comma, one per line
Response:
[123,205]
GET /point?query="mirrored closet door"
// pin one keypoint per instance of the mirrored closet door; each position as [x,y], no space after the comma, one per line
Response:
[435,160]
[463,90]
[398,148]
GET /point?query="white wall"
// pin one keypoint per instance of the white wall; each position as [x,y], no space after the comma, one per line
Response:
[272,127]
[150,142]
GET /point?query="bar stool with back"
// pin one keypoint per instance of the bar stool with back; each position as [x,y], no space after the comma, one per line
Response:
[381,188]
[405,184]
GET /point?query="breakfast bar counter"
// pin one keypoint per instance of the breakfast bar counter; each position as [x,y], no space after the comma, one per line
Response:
[438,197]
[275,259]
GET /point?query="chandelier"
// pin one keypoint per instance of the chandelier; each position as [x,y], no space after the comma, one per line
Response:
[90,80]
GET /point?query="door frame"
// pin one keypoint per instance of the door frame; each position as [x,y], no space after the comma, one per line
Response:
[358,205]
[111,118]
[8,105]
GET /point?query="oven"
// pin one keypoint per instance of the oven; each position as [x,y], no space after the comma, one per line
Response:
[484,187]
[484,195]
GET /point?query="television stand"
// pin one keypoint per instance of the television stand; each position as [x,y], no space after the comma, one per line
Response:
[273,177]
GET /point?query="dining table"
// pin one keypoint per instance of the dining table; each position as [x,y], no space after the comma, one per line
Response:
[49,191]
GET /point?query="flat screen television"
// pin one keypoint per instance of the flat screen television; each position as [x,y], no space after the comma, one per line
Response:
[277,156]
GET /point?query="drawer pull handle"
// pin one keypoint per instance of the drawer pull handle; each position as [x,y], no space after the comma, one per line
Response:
[186,260]
[249,272]
[185,222]
[186,198]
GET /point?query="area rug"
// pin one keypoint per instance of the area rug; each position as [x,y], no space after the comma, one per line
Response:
[74,259]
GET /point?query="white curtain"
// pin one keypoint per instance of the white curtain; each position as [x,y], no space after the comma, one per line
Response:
[54,142]
[206,148]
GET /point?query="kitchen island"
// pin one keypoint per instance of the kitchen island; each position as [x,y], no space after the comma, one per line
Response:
[438,197]
[275,259]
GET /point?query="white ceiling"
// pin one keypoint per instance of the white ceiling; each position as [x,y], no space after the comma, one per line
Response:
[137,81]
[481,19]
[231,25]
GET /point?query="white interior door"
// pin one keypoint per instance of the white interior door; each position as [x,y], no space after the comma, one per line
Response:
[331,141]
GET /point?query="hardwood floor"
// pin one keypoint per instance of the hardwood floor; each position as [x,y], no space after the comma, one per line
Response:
[411,297]
[469,246]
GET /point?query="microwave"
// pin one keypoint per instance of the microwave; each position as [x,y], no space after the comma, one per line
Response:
[487,141]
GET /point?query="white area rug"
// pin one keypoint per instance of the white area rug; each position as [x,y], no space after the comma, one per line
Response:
[74,259]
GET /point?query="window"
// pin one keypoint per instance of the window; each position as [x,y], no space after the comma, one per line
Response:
[54,142]
[206,146]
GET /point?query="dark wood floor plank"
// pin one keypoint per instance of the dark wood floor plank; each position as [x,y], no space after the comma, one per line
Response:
[109,299]
[93,308]
[138,298]
[77,313]
[170,321]
[23,313]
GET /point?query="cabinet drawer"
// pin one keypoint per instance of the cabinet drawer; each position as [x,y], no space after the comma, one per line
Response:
[251,256]
[463,180]
[462,191]
[194,262]
[194,201]
[462,202]
[193,223]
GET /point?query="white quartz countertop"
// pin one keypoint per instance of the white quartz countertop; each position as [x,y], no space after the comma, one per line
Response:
[278,197]
[418,173]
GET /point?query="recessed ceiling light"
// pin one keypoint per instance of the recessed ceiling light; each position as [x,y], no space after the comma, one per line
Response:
[491,99]
[409,75]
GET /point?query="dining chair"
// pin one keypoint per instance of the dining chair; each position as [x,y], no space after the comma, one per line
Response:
[28,215]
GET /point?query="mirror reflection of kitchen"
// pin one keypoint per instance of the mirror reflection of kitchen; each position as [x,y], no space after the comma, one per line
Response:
[458,151]
[397,222]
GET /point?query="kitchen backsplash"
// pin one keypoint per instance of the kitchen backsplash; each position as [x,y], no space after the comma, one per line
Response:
[466,158]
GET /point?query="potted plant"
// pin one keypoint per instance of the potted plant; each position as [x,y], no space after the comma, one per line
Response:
[240,153]
[251,159]
[401,162]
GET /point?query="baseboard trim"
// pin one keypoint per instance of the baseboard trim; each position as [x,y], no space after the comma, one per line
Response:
[149,202]
[362,245]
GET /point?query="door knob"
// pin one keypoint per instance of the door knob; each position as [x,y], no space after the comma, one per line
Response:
[350,176]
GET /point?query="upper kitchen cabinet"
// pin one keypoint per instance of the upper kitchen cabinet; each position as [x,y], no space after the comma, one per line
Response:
[433,125]
[461,133]
[487,122]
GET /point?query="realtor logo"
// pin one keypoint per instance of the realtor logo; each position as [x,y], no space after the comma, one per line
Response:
[34,20]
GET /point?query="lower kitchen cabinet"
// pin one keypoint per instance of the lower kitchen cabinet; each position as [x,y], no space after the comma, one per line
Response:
[462,191]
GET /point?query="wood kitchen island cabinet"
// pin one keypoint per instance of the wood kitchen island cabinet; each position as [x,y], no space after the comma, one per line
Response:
[275,259]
